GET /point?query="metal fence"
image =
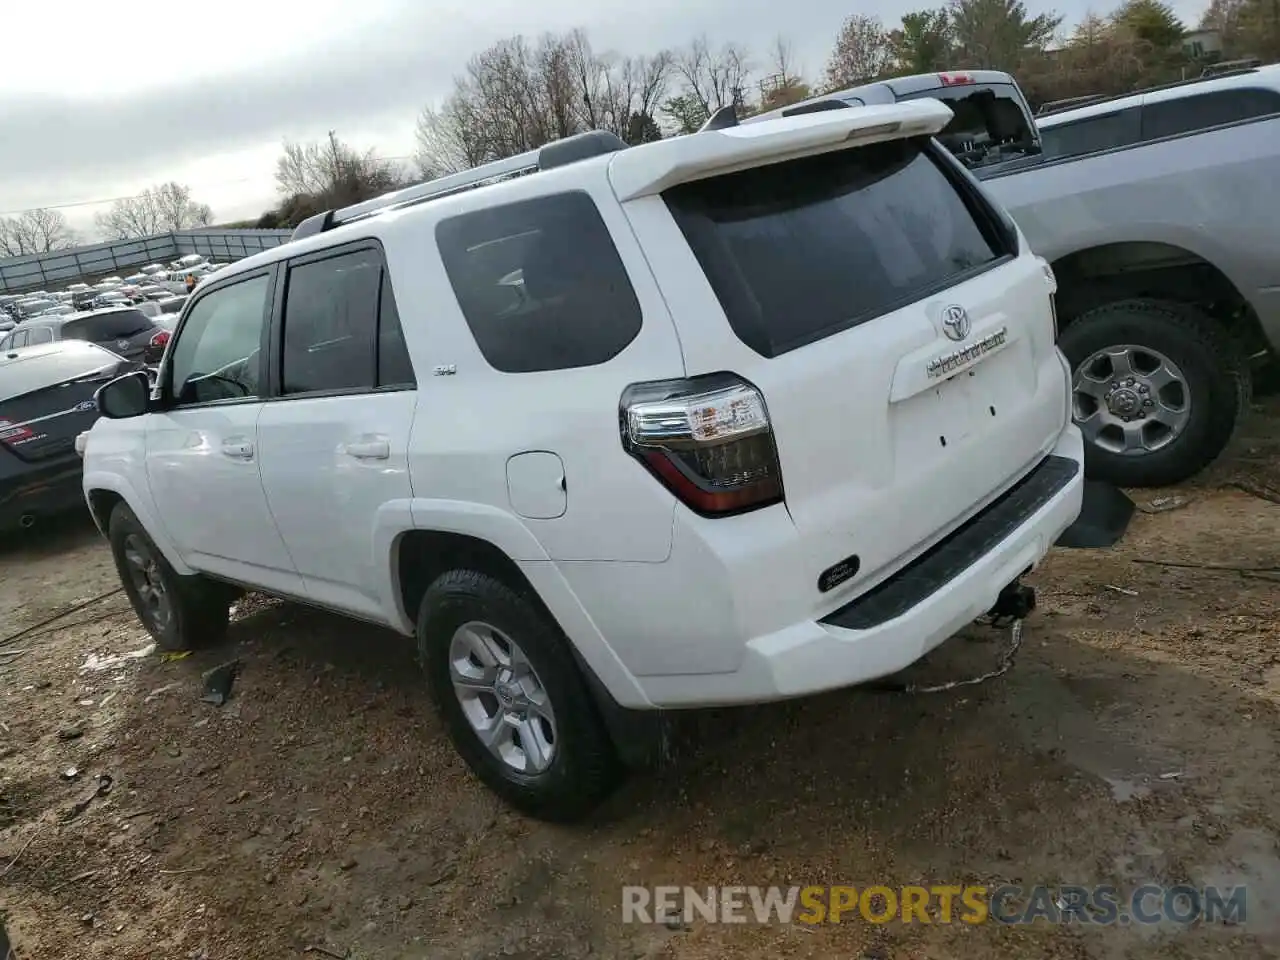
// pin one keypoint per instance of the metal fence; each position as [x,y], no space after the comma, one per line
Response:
[48,270]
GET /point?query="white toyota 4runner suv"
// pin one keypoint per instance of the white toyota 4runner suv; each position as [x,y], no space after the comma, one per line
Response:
[727,418]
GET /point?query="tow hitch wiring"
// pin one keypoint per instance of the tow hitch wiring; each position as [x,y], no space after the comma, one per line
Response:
[1011,609]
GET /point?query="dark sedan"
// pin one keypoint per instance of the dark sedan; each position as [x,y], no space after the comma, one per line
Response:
[126,331]
[46,400]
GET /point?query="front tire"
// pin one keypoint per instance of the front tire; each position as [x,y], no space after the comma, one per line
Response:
[1157,390]
[180,613]
[512,698]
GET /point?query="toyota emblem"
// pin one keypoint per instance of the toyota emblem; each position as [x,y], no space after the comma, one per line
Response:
[955,322]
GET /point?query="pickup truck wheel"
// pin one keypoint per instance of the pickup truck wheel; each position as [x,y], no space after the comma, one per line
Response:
[1157,388]
[512,698]
[180,613]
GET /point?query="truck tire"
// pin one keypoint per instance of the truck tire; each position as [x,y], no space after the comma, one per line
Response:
[512,699]
[1176,375]
[180,613]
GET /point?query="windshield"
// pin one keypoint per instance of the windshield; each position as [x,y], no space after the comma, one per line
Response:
[991,124]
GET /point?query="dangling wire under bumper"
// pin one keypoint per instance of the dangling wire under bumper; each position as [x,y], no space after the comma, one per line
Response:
[1013,605]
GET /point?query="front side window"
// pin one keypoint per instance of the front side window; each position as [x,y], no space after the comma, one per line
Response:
[540,283]
[216,356]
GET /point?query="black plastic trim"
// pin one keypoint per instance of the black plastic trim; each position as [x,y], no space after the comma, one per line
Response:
[959,550]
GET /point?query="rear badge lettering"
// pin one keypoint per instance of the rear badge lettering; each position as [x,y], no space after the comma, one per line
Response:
[949,363]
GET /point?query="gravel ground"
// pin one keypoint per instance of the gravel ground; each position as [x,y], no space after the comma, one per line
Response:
[1133,741]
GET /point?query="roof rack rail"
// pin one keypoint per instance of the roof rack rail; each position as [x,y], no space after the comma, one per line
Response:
[816,106]
[1053,108]
[560,153]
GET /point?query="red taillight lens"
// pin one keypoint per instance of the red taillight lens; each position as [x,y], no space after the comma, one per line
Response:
[160,339]
[708,439]
[954,79]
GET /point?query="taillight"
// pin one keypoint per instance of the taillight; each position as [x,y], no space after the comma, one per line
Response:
[708,439]
[954,79]
[160,339]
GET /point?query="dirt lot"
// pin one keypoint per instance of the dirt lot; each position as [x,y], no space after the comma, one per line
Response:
[1133,741]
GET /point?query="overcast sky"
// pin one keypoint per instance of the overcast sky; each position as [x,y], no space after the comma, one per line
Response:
[102,100]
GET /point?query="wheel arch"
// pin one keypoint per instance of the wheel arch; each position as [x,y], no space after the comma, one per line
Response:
[104,490]
[443,535]
[1091,276]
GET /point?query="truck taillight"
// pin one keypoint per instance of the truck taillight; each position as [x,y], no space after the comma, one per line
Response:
[708,439]
[954,79]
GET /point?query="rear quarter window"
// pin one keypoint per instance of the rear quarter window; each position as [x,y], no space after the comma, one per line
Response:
[540,283]
[799,251]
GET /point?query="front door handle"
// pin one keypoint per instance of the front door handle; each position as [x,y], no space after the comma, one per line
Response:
[370,448]
[238,449]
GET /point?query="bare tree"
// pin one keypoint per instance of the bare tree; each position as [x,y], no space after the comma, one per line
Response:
[516,96]
[332,173]
[863,51]
[35,231]
[159,209]
[783,84]
[713,79]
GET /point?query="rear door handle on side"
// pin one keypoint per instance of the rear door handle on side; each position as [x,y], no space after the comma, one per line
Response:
[368,448]
[238,448]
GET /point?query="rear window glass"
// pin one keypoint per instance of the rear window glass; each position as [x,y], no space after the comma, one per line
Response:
[990,124]
[107,326]
[799,251]
[540,283]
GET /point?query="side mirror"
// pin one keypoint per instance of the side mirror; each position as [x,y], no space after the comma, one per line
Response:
[124,397]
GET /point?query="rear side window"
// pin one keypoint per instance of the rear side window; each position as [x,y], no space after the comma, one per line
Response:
[1186,114]
[1105,132]
[341,327]
[799,251]
[107,326]
[540,283]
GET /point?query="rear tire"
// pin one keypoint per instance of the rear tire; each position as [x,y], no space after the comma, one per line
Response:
[181,613]
[1215,388]
[500,670]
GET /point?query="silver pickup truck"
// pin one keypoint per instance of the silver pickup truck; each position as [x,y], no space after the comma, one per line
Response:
[1158,214]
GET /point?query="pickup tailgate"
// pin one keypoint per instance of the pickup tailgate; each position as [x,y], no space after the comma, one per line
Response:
[903,347]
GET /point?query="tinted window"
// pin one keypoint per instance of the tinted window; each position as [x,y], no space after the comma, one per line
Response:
[216,356]
[540,283]
[107,326]
[394,368]
[1090,135]
[1185,114]
[330,323]
[798,251]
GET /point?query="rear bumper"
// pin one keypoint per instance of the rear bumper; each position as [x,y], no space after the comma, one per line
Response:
[51,489]
[890,626]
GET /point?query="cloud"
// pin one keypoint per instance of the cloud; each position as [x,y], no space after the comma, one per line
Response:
[219,102]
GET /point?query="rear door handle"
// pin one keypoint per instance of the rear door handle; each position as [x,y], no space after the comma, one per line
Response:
[239,449]
[370,448]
